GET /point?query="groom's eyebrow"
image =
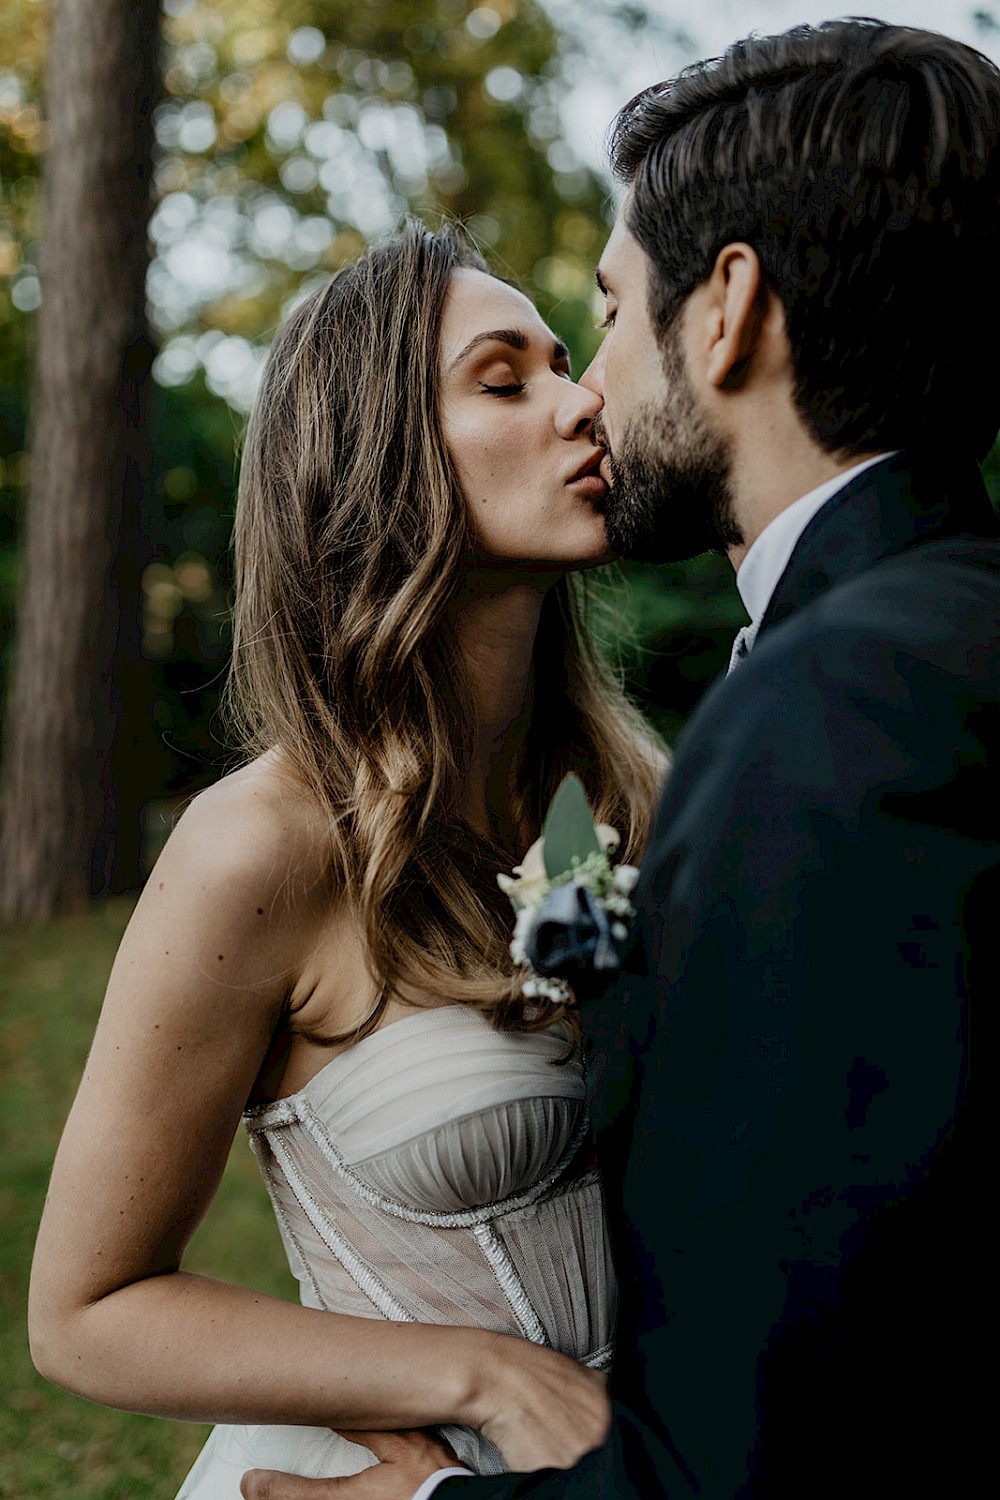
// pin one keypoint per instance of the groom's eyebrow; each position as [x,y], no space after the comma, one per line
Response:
[514,338]
[601,286]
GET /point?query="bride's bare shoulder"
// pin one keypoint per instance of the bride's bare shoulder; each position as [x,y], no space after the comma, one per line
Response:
[257,826]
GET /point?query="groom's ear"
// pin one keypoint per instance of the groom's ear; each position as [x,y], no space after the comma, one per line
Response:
[735,305]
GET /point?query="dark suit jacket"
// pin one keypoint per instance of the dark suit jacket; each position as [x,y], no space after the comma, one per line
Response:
[786,1112]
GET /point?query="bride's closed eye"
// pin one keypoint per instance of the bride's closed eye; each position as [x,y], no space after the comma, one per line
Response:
[513,389]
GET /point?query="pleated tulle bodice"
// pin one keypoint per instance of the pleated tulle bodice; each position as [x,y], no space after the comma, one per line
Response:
[443,1113]
[432,1172]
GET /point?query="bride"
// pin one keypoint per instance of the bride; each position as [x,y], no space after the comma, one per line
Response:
[322,947]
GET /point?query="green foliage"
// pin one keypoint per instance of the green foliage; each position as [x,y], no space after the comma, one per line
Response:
[52,977]
[670,628]
[290,137]
[186,595]
[287,136]
[569,833]
[23,36]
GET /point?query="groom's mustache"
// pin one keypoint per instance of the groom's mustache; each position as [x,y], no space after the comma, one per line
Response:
[597,428]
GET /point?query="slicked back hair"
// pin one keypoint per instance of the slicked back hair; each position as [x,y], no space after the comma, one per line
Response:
[860,161]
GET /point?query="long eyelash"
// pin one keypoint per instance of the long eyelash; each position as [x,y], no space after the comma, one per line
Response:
[503,390]
[607,321]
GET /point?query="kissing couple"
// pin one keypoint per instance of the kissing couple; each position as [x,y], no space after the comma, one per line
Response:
[713,1231]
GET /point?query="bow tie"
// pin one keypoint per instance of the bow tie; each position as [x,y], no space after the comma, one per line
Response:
[743,644]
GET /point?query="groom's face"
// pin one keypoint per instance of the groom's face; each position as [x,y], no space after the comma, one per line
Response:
[668,468]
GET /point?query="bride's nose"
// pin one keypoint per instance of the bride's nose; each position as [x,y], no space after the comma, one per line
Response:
[577,410]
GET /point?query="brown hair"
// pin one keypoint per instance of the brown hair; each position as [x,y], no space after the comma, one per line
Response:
[351,539]
[860,161]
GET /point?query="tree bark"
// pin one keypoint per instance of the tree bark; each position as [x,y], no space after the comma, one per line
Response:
[64,837]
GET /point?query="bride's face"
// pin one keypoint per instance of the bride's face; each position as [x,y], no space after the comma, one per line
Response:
[518,430]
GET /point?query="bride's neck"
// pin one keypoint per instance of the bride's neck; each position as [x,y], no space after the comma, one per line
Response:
[495,621]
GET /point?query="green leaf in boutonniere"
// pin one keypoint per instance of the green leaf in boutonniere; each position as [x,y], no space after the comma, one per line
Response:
[569,833]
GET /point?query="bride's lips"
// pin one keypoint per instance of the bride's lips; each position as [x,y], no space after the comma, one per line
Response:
[590,476]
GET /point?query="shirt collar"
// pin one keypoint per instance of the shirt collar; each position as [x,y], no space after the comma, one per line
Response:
[758,574]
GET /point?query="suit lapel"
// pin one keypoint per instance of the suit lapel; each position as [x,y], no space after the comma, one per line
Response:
[889,507]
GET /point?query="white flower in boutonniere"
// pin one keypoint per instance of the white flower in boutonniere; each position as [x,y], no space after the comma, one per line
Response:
[573,906]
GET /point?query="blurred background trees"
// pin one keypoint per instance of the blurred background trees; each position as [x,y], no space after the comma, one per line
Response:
[284,141]
[285,138]
[76,721]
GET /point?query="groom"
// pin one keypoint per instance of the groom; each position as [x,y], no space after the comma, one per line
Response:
[803,294]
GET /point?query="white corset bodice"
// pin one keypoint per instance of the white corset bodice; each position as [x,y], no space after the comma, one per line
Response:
[436,1172]
[441,1113]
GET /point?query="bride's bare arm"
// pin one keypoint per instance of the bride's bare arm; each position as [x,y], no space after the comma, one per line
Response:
[198,987]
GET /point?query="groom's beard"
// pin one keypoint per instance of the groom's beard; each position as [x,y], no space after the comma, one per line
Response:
[670,497]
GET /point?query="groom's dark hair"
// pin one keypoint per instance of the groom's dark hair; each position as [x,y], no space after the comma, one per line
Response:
[861,162]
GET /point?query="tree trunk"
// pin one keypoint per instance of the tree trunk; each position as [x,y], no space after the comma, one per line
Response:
[64,837]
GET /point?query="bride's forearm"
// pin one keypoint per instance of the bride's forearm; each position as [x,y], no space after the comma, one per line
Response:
[194,1349]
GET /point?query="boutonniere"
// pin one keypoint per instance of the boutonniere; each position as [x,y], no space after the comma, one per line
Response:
[572,905]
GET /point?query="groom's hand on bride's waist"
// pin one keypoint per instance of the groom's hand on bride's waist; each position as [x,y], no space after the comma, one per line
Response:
[406,1461]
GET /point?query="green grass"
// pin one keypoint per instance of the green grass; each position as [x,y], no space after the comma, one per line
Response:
[55,1446]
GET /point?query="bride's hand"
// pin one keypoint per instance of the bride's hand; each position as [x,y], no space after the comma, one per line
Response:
[539,1408]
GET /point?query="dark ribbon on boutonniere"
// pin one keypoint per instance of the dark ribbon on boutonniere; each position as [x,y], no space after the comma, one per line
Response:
[571,937]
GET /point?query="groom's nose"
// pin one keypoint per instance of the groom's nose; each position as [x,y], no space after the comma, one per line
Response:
[593,375]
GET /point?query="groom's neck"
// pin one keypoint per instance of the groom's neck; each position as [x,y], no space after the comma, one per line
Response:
[775,463]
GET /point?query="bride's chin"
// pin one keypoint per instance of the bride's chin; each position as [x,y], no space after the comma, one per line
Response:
[548,565]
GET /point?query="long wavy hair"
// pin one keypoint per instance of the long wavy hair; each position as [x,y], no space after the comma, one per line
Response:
[351,539]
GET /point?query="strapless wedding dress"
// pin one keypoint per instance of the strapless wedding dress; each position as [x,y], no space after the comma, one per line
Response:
[431,1173]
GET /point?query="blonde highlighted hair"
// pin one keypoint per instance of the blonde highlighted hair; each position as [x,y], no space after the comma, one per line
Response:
[351,540]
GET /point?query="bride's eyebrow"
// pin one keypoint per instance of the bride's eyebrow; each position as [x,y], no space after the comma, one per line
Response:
[514,338]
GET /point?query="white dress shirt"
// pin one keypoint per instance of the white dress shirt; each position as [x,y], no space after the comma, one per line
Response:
[758,574]
[431,1483]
